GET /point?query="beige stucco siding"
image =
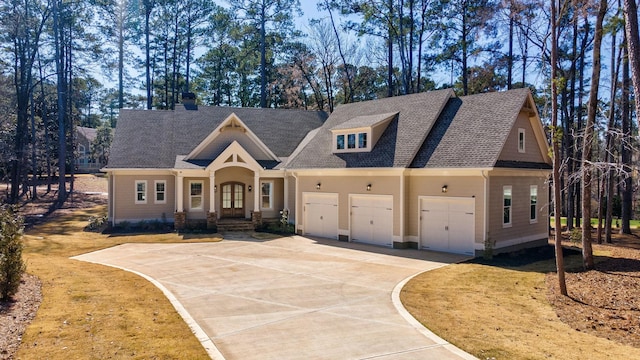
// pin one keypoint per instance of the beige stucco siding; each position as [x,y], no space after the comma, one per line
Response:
[278,198]
[291,183]
[123,195]
[355,184]
[521,228]
[532,149]
[458,186]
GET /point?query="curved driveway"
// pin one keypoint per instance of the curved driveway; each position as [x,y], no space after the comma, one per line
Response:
[291,297]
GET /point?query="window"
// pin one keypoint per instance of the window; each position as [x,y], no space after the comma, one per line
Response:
[533,212]
[351,141]
[266,194]
[506,206]
[521,140]
[141,191]
[195,195]
[362,140]
[161,192]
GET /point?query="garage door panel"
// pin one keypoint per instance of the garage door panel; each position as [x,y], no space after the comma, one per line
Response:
[372,219]
[447,224]
[321,215]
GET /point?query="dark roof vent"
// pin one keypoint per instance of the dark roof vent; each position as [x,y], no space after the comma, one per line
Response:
[189,101]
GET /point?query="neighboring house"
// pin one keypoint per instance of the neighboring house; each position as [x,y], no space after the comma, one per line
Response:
[429,170]
[84,162]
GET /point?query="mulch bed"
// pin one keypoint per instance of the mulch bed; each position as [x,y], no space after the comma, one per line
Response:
[606,301]
[16,314]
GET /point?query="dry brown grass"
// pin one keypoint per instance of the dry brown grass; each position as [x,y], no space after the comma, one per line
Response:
[502,312]
[92,311]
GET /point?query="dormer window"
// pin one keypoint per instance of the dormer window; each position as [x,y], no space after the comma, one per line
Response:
[352,141]
[361,133]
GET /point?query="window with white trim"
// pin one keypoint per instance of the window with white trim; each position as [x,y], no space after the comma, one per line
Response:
[533,199]
[161,192]
[506,206]
[351,141]
[266,194]
[196,199]
[141,192]
[521,140]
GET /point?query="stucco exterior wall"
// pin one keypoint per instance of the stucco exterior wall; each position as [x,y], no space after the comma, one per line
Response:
[352,184]
[457,186]
[521,228]
[122,194]
[532,149]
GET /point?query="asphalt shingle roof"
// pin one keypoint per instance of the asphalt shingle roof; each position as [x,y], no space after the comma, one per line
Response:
[395,148]
[427,130]
[155,138]
[471,131]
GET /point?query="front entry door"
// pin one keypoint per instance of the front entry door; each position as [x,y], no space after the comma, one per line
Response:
[232,200]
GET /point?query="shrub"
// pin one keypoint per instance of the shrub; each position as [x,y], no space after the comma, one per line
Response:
[11,265]
[97,223]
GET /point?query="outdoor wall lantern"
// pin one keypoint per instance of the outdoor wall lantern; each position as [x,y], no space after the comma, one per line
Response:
[318,186]
[368,187]
[445,188]
[250,188]
[215,188]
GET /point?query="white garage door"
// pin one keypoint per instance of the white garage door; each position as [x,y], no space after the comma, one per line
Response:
[321,214]
[447,224]
[372,219]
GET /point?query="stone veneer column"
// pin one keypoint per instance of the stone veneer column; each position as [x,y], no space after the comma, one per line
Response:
[256,219]
[180,220]
[212,220]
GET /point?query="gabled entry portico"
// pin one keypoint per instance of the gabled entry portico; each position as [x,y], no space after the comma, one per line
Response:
[230,185]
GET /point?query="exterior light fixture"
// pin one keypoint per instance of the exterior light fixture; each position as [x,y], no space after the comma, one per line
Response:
[318,186]
[445,188]
[250,188]
[215,188]
[368,187]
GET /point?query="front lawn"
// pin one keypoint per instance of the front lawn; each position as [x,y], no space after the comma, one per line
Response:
[92,311]
[502,311]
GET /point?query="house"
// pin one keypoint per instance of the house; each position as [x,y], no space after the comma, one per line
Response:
[429,171]
[84,161]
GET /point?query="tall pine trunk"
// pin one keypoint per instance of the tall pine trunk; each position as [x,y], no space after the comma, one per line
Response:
[556,152]
[587,167]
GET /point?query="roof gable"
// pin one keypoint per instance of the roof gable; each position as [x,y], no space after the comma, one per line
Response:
[398,143]
[157,138]
[231,130]
[472,130]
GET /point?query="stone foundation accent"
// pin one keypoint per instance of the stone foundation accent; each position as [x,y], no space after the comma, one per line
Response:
[212,221]
[256,219]
[180,220]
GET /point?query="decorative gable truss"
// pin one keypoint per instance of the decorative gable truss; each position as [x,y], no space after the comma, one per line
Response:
[231,130]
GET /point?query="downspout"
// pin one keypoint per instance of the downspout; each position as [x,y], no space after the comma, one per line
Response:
[485,225]
[297,222]
[113,199]
[402,201]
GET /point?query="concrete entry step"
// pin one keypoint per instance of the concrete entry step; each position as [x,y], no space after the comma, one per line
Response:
[226,225]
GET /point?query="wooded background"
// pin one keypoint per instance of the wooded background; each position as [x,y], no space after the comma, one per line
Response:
[68,63]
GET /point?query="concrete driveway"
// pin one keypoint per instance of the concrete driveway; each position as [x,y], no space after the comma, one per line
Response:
[290,298]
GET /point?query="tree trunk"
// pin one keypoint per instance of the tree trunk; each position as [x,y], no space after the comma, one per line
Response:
[62,143]
[625,148]
[556,152]
[148,7]
[263,57]
[587,251]
[633,47]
